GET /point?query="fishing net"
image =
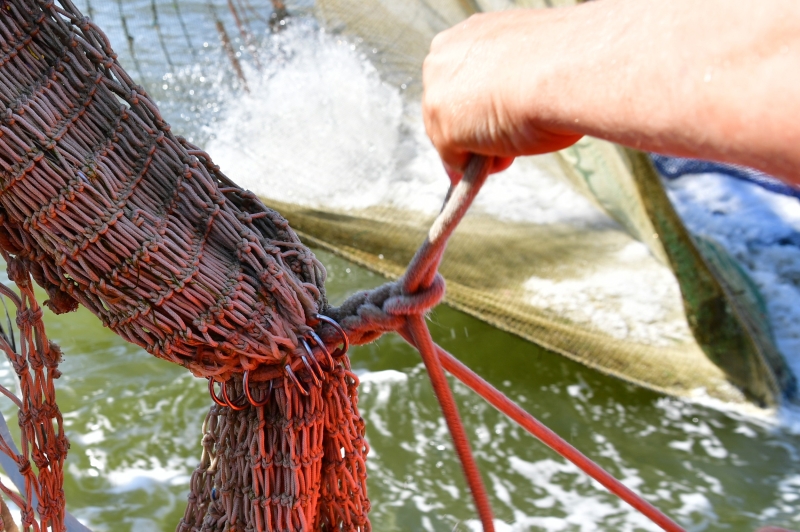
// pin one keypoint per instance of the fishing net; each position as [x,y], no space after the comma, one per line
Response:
[102,205]
[44,444]
[578,251]
[105,207]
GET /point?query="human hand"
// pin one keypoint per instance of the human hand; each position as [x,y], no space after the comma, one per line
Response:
[479,84]
[715,80]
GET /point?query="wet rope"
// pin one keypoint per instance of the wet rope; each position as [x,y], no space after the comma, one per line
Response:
[367,315]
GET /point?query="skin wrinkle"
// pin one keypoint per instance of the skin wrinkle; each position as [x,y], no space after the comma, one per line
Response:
[714,79]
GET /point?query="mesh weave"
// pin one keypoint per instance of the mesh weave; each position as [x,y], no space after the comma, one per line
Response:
[105,207]
[43,442]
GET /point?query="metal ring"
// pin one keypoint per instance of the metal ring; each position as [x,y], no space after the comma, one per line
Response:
[345,340]
[246,386]
[319,371]
[228,400]
[291,375]
[317,340]
[213,394]
[317,382]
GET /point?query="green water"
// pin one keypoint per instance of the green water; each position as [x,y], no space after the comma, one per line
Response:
[134,424]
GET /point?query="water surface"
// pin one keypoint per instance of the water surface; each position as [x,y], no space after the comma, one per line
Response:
[134,424]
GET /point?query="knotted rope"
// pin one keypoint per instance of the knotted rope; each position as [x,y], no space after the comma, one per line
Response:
[400,306]
[105,207]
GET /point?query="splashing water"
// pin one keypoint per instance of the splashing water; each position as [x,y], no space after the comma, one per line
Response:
[322,129]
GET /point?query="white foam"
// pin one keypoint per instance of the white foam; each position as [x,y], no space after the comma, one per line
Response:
[586,507]
[388,376]
[136,478]
[320,128]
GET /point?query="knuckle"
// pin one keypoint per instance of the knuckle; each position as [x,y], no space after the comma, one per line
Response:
[438,41]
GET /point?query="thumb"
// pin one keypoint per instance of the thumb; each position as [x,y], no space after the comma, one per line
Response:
[499,164]
[454,175]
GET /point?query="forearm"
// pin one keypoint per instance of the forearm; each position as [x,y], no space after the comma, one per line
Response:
[714,79]
[717,79]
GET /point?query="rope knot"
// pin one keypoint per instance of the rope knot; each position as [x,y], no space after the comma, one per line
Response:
[367,315]
[420,302]
[27,517]
[28,317]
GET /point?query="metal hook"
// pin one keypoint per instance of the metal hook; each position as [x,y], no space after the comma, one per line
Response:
[318,371]
[291,375]
[246,386]
[213,394]
[230,404]
[345,340]
[318,341]
[317,382]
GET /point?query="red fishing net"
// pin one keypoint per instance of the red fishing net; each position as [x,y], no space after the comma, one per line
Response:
[105,207]
[35,361]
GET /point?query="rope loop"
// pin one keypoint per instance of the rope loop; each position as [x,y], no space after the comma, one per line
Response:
[420,302]
[28,318]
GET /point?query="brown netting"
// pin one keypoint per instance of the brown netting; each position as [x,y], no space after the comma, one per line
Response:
[35,361]
[296,464]
[105,207]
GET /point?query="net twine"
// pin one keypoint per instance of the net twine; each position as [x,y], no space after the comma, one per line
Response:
[105,207]
[43,441]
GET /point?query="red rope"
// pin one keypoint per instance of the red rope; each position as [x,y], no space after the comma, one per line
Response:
[418,335]
[535,427]
[419,277]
